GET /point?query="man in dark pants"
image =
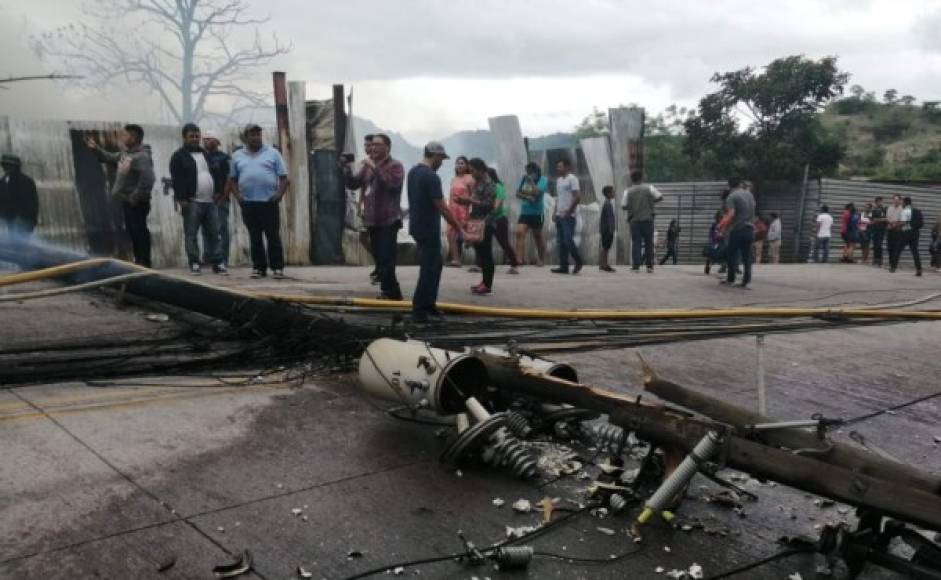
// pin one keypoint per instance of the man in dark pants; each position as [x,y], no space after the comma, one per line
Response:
[194,195]
[258,178]
[383,176]
[740,231]
[426,207]
[877,229]
[909,230]
[566,204]
[132,186]
[639,200]
[219,168]
[19,202]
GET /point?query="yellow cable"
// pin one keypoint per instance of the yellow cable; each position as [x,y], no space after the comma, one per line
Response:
[510,312]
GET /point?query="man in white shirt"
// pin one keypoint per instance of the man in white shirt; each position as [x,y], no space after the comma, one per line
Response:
[566,204]
[907,237]
[894,232]
[194,192]
[774,238]
[822,245]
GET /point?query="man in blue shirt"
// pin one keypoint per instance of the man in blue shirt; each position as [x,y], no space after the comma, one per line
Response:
[426,207]
[259,180]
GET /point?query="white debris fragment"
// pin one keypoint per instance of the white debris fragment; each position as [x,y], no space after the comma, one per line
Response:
[600,512]
[937,439]
[677,574]
[399,571]
[605,531]
[237,524]
[695,572]
[220,529]
[296,512]
[459,473]
[667,549]
[584,476]
[659,569]
[520,531]
[795,576]
[304,573]
[304,518]
[157,317]
[498,502]
[279,485]
[522,506]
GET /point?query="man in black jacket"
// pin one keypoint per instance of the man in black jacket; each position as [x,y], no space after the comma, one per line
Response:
[194,191]
[19,203]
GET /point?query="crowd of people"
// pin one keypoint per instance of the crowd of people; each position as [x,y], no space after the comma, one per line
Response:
[205,180]
[877,227]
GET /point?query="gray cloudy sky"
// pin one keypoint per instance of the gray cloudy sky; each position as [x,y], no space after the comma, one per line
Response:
[427,68]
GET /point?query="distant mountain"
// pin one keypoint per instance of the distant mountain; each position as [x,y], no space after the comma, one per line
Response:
[478,143]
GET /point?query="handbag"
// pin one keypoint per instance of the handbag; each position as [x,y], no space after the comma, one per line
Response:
[474,231]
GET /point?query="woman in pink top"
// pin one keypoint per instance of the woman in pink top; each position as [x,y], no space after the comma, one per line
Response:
[462,185]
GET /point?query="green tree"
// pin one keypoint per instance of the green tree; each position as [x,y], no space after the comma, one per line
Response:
[907,101]
[593,125]
[765,124]
[890,97]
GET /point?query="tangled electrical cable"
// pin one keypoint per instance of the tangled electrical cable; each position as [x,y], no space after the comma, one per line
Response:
[490,550]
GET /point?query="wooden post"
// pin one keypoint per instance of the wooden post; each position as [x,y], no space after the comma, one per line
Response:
[281,110]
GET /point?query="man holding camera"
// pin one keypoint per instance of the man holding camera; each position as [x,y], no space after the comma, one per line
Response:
[383,177]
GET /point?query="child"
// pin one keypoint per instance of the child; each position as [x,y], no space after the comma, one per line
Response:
[673,242]
[712,250]
[606,226]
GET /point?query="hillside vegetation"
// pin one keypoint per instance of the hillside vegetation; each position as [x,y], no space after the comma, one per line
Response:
[894,139]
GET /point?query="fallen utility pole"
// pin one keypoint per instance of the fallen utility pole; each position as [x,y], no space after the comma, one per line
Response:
[264,316]
[834,453]
[669,426]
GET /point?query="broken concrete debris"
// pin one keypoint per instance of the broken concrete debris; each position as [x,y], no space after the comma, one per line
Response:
[522,506]
[498,502]
[302,573]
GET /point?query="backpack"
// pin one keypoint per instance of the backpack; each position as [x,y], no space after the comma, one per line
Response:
[918,220]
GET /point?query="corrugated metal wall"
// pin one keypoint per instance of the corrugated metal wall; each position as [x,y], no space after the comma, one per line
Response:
[46,148]
[837,193]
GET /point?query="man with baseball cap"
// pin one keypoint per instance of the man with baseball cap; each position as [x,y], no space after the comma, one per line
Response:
[259,179]
[19,203]
[426,207]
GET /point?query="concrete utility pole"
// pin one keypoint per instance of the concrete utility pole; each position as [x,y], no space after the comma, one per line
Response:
[627,153]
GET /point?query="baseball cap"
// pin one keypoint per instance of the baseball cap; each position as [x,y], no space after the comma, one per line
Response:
[250,128]
[435,148]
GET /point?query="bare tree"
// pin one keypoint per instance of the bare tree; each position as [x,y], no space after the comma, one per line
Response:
[180,49]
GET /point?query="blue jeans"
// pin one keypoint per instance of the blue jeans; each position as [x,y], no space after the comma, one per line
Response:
[740,245]
[430,265]
[201,216]
[822,246]
[565,234]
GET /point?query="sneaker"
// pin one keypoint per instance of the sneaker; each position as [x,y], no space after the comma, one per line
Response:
[578,268]
[258,274]
[474,269]
[649,270]
[374,280]
[277,274]
[918,273]
[512,270]
[559,270]
[606,269]
[481,290]
[220,269]
[195,269]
